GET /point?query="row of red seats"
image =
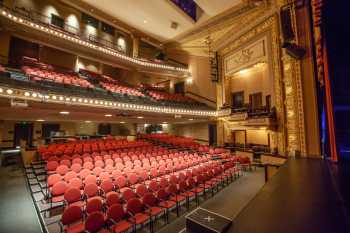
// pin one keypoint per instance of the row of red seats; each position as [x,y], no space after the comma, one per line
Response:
[39,74]
[63,172]
[160,95]
[90,146]
[157,198]
[131,162]
[183,142]
[120,89]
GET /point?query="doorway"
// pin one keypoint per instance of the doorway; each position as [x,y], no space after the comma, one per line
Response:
[212,134]
[23,131]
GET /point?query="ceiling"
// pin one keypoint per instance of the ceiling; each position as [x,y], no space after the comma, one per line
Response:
[154,17]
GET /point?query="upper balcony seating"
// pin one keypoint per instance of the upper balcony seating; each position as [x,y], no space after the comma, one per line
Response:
[115,87]
[2,69]
[159,95]
[44,77]
[39,74]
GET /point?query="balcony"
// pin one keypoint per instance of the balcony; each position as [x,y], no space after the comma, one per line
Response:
[70,38]
[249,117]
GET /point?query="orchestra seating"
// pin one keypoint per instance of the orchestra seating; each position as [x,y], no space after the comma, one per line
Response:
[115,185]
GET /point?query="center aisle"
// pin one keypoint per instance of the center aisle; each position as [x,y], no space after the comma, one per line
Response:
[229,201]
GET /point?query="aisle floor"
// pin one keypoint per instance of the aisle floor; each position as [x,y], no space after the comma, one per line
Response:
[17,212]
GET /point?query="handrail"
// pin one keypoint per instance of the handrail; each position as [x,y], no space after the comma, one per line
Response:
[201,97]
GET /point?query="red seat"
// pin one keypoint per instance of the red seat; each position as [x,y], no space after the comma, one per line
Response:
[73,197]
[151,202]
[94,204]
[135,208]
[115,215]
[112,198]
[95,222]
[72,220]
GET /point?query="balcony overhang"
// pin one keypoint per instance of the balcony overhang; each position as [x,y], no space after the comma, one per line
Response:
[242,120]
[47,34]
[48,97]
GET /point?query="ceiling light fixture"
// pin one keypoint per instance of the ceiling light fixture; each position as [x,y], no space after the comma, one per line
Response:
[40,120]
[144,21]
[87,121]
[64,112]
[140,117]
[108,115]
[122,122]
[191,119]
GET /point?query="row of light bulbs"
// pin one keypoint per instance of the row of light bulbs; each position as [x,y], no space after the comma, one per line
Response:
[90,45]
[94,102]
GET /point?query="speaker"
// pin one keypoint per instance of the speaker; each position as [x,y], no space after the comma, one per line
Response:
[286,24]
[294,50]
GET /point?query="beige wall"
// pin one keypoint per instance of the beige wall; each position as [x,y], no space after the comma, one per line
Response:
[70,129]
[200,69]
[252,81]
[197,131]
[57,57]
[86,64]
[123,129]
[257,137]
[4,46]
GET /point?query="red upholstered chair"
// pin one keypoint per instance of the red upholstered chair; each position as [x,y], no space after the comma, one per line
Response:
[94,204]
[184,191]
[104,176]
[174,196]
[91,190]
[196,190]
[163,197]
[141,190]
[72,220]
[120,183]
[135,208]
[151,203]
[90,179]
[53,179]
[128,194]
[58,191]
[97,171]
[106,186]
[95,222]
[84,173]
[76,167]
[153,186]
[51,166]
[112,198]
[115,217]
[70,175]
[75,183]
[62,169]
[72,196]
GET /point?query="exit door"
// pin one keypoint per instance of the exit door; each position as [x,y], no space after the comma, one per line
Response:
[23,131]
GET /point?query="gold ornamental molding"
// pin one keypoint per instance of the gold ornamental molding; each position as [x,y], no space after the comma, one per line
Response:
[269,28]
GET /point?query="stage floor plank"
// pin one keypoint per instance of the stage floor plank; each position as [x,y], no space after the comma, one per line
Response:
[303,197]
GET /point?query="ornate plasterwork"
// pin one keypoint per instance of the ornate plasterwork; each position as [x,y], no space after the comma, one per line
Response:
[290,134]
[247,56]
[267,28]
